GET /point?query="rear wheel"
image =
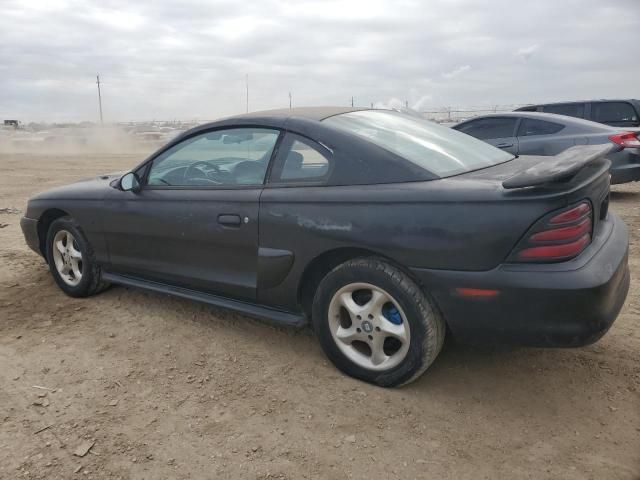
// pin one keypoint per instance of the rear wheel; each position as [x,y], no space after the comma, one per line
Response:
[374,323]
[71,260]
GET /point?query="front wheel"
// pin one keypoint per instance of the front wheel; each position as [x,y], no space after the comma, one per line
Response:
[71,260]
[374,323]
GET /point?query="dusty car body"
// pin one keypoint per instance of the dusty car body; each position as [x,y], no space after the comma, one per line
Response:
[334,212]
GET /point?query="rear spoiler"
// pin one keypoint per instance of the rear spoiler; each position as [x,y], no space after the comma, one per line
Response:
[558,168]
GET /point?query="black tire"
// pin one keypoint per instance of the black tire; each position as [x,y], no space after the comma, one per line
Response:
[91,281]
[427,328]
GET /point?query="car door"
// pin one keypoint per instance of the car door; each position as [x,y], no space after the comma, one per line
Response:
[293,228]
[194,222]
[541,137]
[498,131]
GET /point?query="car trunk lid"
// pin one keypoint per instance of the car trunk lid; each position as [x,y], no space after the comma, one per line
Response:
[543,186]
[557,169]
[578,173]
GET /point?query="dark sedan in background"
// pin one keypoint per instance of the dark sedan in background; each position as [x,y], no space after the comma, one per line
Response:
[532,133]
[380,229]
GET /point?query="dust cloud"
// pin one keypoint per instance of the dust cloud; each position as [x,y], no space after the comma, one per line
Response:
[86,139]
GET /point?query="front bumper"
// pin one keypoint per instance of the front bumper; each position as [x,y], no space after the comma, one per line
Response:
[566,304]
[30,231]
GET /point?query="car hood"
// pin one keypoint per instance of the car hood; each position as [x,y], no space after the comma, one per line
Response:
[93,188]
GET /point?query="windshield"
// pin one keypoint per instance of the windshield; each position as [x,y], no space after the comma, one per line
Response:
[435,148]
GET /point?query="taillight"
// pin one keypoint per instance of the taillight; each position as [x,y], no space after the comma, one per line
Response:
[572,214]
[626,140]
[564,233]
[560,237]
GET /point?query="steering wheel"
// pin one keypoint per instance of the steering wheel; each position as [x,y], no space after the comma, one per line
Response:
[190,172]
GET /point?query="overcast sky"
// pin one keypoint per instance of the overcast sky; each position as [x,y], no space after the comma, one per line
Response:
[187,59]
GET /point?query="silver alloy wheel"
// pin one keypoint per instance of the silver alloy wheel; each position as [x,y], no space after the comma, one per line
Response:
[67,258]
[360,325]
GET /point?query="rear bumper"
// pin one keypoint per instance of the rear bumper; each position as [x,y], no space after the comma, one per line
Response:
[30,231]
[567,304]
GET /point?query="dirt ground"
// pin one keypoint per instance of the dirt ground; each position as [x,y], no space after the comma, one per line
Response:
[168,388]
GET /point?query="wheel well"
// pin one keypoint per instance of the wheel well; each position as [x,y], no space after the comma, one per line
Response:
[318,269]
[327,261]
[46,219]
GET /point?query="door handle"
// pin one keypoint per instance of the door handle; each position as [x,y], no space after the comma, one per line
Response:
[504,145]
[229,220]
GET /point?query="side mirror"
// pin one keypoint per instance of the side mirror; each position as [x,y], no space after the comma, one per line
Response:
[130,183]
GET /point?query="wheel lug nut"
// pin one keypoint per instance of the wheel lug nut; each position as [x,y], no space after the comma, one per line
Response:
[358,330]
[377,329]
[370,337]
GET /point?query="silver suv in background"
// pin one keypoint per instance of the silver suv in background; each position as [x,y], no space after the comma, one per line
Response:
[617,113]
[533,133]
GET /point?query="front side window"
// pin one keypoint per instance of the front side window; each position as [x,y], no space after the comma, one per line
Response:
[615,113]
[530,126]
[230,157]
[437,149]
[569,109]
[490,128]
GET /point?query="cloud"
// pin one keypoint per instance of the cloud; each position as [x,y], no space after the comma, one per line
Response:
[188,59]
[527,52]
[456,72]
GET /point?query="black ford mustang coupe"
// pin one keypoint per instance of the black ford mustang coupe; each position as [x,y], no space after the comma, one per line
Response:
[379,228]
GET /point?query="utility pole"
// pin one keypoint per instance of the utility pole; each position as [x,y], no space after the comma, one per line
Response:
[352,101]
[247,82]
[99,99]
[406,104]
[290,103]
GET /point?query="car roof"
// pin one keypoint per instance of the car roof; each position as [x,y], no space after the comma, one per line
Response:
[550,117]
[278,118]
[569,102]
[310,113]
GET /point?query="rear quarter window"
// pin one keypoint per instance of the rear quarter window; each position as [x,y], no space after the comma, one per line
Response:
[303,162]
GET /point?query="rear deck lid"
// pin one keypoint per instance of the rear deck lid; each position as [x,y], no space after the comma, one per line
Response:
[577,174]
[558,168]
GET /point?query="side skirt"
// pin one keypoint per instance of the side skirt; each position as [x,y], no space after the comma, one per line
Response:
[271,315]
